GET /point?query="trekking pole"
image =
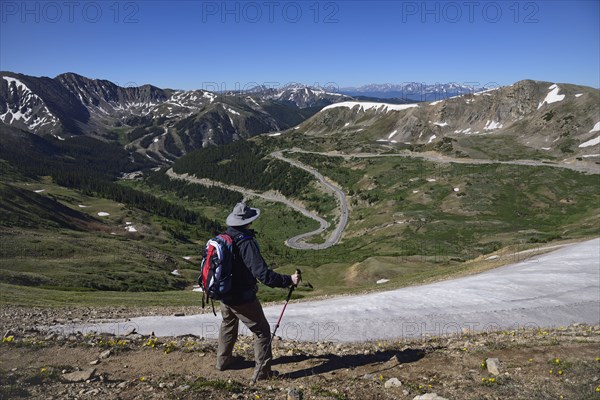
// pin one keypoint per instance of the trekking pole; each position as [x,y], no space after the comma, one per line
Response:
[289,296]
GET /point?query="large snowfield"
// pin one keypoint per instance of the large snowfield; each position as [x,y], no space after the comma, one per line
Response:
[550,290]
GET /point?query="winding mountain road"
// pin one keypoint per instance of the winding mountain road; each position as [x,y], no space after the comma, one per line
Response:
[299,241]
[336,235]
[296,242]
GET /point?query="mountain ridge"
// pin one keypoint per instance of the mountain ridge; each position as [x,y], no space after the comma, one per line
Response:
[553,120]
[160,124]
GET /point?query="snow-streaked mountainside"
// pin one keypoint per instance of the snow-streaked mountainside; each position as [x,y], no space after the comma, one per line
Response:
[299,95]
[161,124]
[544,118]
[414,91]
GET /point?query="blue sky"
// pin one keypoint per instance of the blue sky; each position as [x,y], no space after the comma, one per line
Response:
[236,44]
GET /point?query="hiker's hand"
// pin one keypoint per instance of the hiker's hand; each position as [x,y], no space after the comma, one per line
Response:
[295,279]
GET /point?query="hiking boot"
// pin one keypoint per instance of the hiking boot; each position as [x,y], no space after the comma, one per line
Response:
[263,375]
[229,362]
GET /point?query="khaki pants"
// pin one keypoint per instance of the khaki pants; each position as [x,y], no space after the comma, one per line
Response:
[251,314]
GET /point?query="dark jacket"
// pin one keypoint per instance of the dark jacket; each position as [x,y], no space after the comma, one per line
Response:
[248,266]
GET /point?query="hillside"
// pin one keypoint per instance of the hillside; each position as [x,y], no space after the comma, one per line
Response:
[530,119]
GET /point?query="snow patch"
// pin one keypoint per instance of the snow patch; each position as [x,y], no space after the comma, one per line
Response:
[442,124]
[231,110]
[103,214]
[465,131]
[364,106]
[492,257]
[175,272]
[596,128]
[553,96]
[40,190]
[491,125]
[82,206]
[546,148]
[431,139]
[579,95]
[276,134]
[391,135]
[591,142]
[187,258]
[591,155]
[457,189]
[379,282]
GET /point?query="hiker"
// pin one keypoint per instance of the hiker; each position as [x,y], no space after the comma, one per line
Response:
[242,303]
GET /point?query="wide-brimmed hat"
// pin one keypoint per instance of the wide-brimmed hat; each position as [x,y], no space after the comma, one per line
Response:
[242,215]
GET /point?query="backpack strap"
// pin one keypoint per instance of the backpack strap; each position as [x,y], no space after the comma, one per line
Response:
[237,239]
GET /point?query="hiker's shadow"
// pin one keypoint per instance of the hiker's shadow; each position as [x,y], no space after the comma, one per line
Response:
[332,362]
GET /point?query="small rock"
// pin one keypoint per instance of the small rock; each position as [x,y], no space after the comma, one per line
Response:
[182,388]
[493,366]
[179,314]
[92,392]
[429,396]
[79,376]
[405,392]
[368,376]
[49,337]
[392,382]
[95,362]
[294,394]
[129,332]
[105,354]
[122,385]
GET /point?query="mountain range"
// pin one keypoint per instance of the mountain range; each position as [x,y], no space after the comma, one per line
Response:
[527,119]
[414,91]
[162,124]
